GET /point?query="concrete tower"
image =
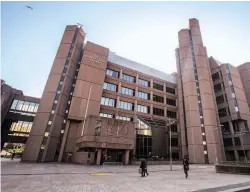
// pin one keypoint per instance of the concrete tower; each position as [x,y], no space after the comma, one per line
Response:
[199,122]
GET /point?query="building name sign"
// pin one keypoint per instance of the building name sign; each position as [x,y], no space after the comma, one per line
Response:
[95,59]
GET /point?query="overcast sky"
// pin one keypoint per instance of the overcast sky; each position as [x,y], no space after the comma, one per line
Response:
[145,32]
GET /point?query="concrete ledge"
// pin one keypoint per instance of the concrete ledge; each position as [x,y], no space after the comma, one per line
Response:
[234,169]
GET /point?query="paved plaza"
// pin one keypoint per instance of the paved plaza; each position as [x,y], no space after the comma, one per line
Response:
[54,177]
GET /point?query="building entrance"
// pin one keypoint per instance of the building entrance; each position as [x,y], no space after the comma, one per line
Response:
[112,155]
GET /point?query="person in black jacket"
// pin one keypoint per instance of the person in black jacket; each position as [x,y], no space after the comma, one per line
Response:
[186,166]
[143,167]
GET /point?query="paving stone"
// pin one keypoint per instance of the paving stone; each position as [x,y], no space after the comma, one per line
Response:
[55,177]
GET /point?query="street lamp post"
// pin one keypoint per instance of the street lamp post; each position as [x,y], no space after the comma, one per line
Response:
[243,145]
[170,147]
[215,149]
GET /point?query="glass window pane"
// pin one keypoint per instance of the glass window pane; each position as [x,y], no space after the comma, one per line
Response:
[13,106]
[31,107]
[19,105]
[25,106]
[36,107]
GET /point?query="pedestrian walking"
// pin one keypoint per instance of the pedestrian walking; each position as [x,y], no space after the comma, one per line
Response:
[143,167]
[13,155]
[186,166]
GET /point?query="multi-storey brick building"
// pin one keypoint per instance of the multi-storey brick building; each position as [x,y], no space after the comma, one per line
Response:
[98,106]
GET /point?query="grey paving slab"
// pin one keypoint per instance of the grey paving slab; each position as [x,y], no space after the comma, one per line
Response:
[54,177]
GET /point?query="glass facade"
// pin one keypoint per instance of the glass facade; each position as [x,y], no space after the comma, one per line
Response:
[106,115]
[127,91]
[126,105]
[108,101]
[143,82]
[19,106]
[143,140]
[142,109]
[110,87]
[128,78]
[124,118]
[112,73]
[143,95]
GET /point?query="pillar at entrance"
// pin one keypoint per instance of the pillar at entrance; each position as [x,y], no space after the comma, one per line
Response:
[126,157]
[98,159]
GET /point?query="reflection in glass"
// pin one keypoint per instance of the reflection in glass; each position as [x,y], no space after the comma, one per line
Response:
[19,105]
[143,128]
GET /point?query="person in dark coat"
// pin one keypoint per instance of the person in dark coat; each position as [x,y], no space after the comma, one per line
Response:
[13,155]
[143,167]
[186,166]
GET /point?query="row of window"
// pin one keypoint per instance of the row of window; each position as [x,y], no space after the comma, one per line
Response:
[21,126]
[24,106]
[140,94]
[142,82]
[130,106]
[117,117]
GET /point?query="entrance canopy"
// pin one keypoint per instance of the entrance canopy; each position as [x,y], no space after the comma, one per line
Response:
[158,122]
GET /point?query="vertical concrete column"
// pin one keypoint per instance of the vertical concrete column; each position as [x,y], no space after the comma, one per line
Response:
[165,99]
[64,141]
[151,109]
[231,127]
[135,107]
[164,87]
[165,112]
[151,83]
[151,95]
[99,155]
[135,121]
[126,159]
[136,91]
[119,87]
[121,71]
[137,79]
[117,105]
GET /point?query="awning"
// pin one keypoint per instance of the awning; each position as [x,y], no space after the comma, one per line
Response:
[158,122]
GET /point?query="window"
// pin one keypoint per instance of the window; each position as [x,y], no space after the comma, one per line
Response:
[19,105]
[171,114]
[220,99]
[157,86]
[128,78]
[215,76]
[144,82]
[142,109]
[217,87]
[13,106]
[112,73]
[126,105]
[36,107]
[124,118]
[31,107]
[106,115]
[228,142]
[222,112]
[49,122]
[236,109]
[142,95]
[157,111]
[25,106]
[157,98]
[174,128]
[237,141]
[109,86]
[171,102]
[174,142]
[127,91]
[108,101]
[170,90]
